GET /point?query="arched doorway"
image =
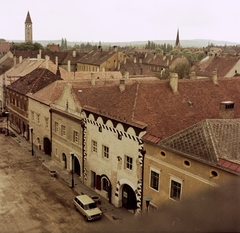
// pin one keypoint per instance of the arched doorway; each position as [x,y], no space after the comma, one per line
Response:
[64,158]
[77,169]
[47,146]
[129,200]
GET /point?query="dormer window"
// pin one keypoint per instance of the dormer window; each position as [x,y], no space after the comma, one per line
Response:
[225,105]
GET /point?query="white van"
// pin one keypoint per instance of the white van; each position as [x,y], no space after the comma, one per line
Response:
[87,207]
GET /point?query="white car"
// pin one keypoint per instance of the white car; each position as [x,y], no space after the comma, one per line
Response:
[87,207]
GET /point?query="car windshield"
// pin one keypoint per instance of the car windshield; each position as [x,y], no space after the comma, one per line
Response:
[91,205]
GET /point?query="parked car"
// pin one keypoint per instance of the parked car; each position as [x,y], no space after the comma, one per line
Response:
[87,207]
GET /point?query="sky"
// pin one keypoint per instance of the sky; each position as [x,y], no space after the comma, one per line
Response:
[122,20]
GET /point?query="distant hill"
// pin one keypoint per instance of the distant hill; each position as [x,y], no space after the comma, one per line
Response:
[184,43]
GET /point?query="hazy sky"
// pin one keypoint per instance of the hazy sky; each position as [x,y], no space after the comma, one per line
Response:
[122,20]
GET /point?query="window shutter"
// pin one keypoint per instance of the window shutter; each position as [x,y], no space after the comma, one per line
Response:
[98,183]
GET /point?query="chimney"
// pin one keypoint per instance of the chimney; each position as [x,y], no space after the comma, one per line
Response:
[40,53]
[126,74]
[145,55]
[103,69]
[56,60]
[171,57]
[122,85]
[93,79]
[226,110]
[155,55]
[214,77]
[69,66]
[38,57]
[167,62]
[74,53]
[115,64]
[174,82]
[119,65]
[14,60]
[20,59]
[58,72]
[125,59]
[99,48]
[135,59]
[164,56]
[140,60]
[115,48]
[193,75]
[46,59]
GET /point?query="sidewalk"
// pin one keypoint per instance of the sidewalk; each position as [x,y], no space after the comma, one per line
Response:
[115,215]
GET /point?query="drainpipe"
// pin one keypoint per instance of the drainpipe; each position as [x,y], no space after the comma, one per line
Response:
[143,152]
[83,150]
[50,111]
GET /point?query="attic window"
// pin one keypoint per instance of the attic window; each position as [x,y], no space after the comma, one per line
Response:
[225,105]
[163,154]
[214,174]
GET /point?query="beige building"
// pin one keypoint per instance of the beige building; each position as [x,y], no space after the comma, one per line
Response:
[193,171]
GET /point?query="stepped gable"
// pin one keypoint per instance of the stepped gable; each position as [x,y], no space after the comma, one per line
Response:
[213,140]
[154,103]
[34,81]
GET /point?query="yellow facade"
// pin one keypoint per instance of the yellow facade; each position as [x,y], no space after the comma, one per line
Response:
[196,179]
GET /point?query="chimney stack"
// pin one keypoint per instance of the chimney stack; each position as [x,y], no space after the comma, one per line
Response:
[115,48]
[20,59]
[122,85]
[145,55]
[14,60]
[214,77]
[155,55]
[38,57]
[93,79]
[46,59]
[40,53]
[174,82]
[69,66]
[135,59]
[99,48]
[193,75]
[74,53]
[56,60]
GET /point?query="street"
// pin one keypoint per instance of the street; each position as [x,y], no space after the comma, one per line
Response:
[32,200]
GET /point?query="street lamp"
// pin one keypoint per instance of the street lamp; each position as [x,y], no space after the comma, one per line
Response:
[31,129]
[147,199]
[6,114]
[72,155]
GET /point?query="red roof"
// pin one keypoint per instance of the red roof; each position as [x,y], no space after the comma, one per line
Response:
[229,165]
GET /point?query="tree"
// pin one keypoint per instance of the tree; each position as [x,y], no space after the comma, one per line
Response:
[26,46]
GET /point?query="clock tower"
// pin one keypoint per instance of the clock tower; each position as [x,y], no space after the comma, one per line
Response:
[28,28]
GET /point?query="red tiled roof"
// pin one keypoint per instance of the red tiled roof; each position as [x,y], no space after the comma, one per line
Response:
[34,81]
[154,103]
[221,64]
[229,165]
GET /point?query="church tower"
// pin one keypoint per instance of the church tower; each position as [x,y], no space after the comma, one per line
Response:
[28,28]
[177,43]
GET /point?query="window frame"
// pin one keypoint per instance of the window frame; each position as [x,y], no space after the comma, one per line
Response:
[94,146]
[128,164]
[56,127]
[172,192]
[150,179]
[105,153]
[63,130]
[75,137]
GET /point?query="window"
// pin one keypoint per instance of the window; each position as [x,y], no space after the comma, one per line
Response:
[94,146]
[46,122]
[154,179]
[105,184]
[75,136]
[175,189]
[38,118]
[63,130]
[128,162]
[105,152]
[56,127]
[32,114]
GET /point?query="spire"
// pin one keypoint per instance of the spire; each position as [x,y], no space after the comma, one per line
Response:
[177,43]
[28,19]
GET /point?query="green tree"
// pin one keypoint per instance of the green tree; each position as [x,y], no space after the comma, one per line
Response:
[27,46]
